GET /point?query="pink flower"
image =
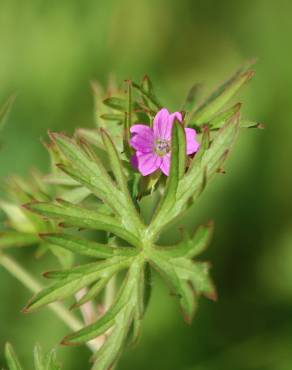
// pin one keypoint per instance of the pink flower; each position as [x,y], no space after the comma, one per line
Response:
[153,145]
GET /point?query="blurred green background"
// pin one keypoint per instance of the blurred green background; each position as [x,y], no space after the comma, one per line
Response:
[50,50]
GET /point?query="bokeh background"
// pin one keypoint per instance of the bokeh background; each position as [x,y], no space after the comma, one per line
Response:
[50,50]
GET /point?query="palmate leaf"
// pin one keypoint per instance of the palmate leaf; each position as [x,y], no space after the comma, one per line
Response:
[135,250]
[186,279]
[42,361]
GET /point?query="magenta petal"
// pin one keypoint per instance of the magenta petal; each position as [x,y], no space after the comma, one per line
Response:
[148,162]
[141,129]
[162,125]
[143,138]
[141,143]
[192,144]
[165,165]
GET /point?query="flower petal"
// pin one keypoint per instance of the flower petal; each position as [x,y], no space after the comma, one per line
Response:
[192,145]
[148,162]
[161,124]
[163,121]
[140,129]
[165,164]
[143,138]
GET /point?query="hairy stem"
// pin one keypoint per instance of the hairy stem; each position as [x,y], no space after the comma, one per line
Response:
[29,282]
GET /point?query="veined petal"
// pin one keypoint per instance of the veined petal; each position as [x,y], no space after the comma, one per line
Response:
[143,138]
[141,129]
[165,164]
[162,125]
[148,162]
[192,144]
[142,144]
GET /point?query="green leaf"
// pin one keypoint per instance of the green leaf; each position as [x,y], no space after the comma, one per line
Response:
[10,239]
[108,355]
[192,97]
[148,95]
[5,110]
[60,179]
[76,195]
[93,175]
[91,171]
[116,103]
[179,287]
[98,328]
[204,167]
[73,280]
[220,97]
[42,361]
[147,84]
[11,358]
[73,215]
[50,361]
[38,358]
[110,318]
[220,119]
[190,247]
[197,273]
[17,217]
[128,123]
[93,291]
[112,117]
[116,164]
[143,295]
[244,123]
[177,168]
[86,247]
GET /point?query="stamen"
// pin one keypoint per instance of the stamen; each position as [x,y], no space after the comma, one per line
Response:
[162,147]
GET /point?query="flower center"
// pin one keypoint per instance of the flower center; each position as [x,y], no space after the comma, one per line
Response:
[162,147]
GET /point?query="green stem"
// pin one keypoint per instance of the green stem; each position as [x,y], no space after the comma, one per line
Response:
[29,282]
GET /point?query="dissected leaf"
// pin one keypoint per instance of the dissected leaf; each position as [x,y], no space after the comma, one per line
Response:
[85,173]
[220,97]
